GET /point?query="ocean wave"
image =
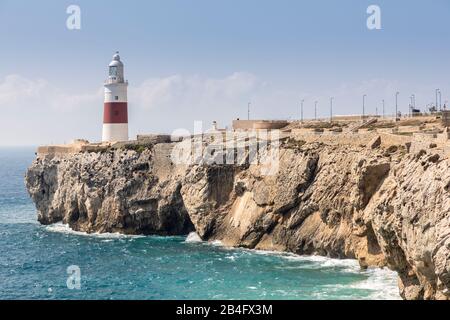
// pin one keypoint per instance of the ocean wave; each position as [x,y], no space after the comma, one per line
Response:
[382,283]
[313,260]
[193,237]
[321,262]
[65,228]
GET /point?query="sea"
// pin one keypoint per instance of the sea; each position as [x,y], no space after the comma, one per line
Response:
[54,262]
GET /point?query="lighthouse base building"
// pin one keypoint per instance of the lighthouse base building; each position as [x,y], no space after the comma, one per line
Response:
[115,111]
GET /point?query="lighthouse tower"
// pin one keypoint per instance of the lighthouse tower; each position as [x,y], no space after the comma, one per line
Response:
[115,113]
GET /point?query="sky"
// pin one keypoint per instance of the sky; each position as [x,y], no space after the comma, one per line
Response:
[204,60]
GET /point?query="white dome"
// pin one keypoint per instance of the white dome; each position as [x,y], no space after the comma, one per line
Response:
[116,60]
[115,63]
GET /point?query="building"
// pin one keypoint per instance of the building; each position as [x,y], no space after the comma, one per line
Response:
[259,124]
[446,118]
[415,112]
[115,113]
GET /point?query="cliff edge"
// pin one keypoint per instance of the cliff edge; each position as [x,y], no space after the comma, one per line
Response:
[385,206]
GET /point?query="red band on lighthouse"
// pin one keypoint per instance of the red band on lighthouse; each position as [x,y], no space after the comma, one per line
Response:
[115,112]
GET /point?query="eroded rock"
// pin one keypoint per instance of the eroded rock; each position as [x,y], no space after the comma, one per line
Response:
[380,206]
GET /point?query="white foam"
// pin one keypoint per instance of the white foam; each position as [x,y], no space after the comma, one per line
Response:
[320,261]
[217,243]
[382,282]
[232,258]
[64,228]
[193,237]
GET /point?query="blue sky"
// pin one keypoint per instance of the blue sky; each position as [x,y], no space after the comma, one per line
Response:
[205,59]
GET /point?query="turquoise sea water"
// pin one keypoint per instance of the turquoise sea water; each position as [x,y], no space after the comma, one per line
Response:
[34,261]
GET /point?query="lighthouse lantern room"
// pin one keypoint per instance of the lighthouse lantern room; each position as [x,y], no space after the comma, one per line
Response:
[115,113]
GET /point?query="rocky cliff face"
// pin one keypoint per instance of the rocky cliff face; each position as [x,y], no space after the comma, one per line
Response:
[116,191]
[384,207]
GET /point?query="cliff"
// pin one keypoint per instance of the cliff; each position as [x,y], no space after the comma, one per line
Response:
[385,206]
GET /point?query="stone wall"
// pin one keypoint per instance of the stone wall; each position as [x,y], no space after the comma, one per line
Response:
[390,139]
[332,138]
[446,118]
[439,143]
[414,141]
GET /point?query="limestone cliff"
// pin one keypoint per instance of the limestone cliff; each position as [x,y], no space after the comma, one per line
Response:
[382,206]
[116,191]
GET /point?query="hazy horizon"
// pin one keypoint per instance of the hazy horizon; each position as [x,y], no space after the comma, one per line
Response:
[206,62]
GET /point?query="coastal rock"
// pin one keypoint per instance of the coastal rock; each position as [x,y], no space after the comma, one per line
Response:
[382,206]
[114,191]
[375,143]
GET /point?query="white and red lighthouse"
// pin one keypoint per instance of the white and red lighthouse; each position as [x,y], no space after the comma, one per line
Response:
[115,113]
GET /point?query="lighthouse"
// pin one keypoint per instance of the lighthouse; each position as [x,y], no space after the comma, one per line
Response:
[115,112]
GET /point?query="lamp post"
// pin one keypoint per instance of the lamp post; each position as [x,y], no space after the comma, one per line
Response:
[383,107]
[248,111]
[301,111]
[396,105]
[315,110]
[440,100]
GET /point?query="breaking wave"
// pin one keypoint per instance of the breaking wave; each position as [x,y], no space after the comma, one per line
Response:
[193,237]
[64,228]
[381,284]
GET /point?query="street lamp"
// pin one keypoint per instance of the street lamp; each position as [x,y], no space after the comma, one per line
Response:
[248,111]
[315,110]
[301,111]
[411,105]
[396,104]
[440,100]
[383,107]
